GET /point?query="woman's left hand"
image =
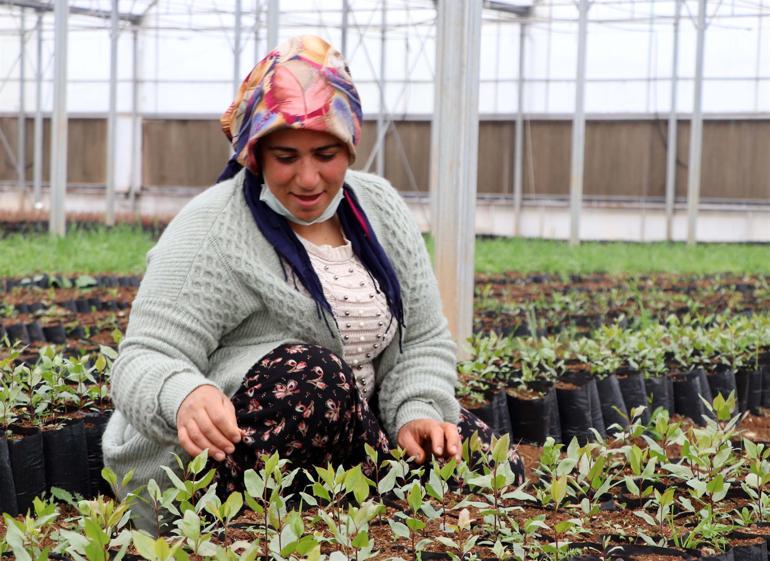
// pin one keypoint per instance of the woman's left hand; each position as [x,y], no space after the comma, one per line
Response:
[422,437]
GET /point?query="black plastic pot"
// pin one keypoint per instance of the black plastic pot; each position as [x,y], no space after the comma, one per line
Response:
[689,387]
[534,419]
[36,307]
[721,381]
[613,407]
[21,308]
[69,305]
[76,332]
[748,386]
[579,408]
[765,386]
[495,414]
[82,306]
[728,555]
[94,428]
[7,488]
[35,332]
[661,389]
[28,466]
[55,334]
[749,552]
[17,332]
[66,458]
[634,392]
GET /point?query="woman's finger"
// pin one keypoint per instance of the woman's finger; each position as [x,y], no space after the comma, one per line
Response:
[186,442]
[202,442]
[208,428]
[437,440]
[408,441]
[454,442]
[228,425]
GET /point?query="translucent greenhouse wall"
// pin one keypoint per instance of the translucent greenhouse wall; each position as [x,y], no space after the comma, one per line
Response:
[186,79]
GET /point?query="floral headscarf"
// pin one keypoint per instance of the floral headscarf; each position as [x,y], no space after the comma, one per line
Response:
[302,84]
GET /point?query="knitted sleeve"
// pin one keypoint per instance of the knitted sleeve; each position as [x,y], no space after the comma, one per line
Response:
[185,304]
[422,382]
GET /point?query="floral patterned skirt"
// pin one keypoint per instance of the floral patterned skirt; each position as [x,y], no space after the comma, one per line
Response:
[303,402]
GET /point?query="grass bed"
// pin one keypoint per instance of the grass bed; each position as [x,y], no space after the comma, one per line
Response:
[122,250]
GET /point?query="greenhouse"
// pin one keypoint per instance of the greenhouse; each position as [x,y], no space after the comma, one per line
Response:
[385,279]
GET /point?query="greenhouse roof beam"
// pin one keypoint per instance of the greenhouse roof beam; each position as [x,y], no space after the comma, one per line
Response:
[76,10]
[521,11]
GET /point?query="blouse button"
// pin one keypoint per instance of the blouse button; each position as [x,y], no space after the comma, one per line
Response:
[360,349]
[376,346]
[347,312]
[347,325]
[363,338]
[346,337]
[362,283]
[380,323]
[345,297]
[336,277]
[368,355]
[350,270]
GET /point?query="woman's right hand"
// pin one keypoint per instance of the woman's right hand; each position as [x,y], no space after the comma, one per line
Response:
[206,419]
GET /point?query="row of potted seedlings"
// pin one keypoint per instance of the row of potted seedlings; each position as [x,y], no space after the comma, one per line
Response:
[564,387]
[52,415]
[661,490]
[578,308]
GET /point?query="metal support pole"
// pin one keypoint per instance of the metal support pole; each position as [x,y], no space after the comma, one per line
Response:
[273,22]
[37,168]
[671,148]
[57,222]
[21,140]
[109,214]
[344,29]
[578,129]
[257,24]
[237,47]
[453,173]
[381,124]
[518,156]
[136,132]
[696,131]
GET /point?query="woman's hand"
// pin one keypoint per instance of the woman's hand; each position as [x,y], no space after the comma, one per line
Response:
[206,419]
[422,437]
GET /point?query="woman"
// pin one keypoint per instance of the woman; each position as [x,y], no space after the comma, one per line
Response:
[281,302]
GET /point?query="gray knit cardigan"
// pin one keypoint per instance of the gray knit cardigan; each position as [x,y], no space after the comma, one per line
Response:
[214,300]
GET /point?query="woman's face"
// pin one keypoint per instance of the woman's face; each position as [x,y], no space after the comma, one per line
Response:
[304,169]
